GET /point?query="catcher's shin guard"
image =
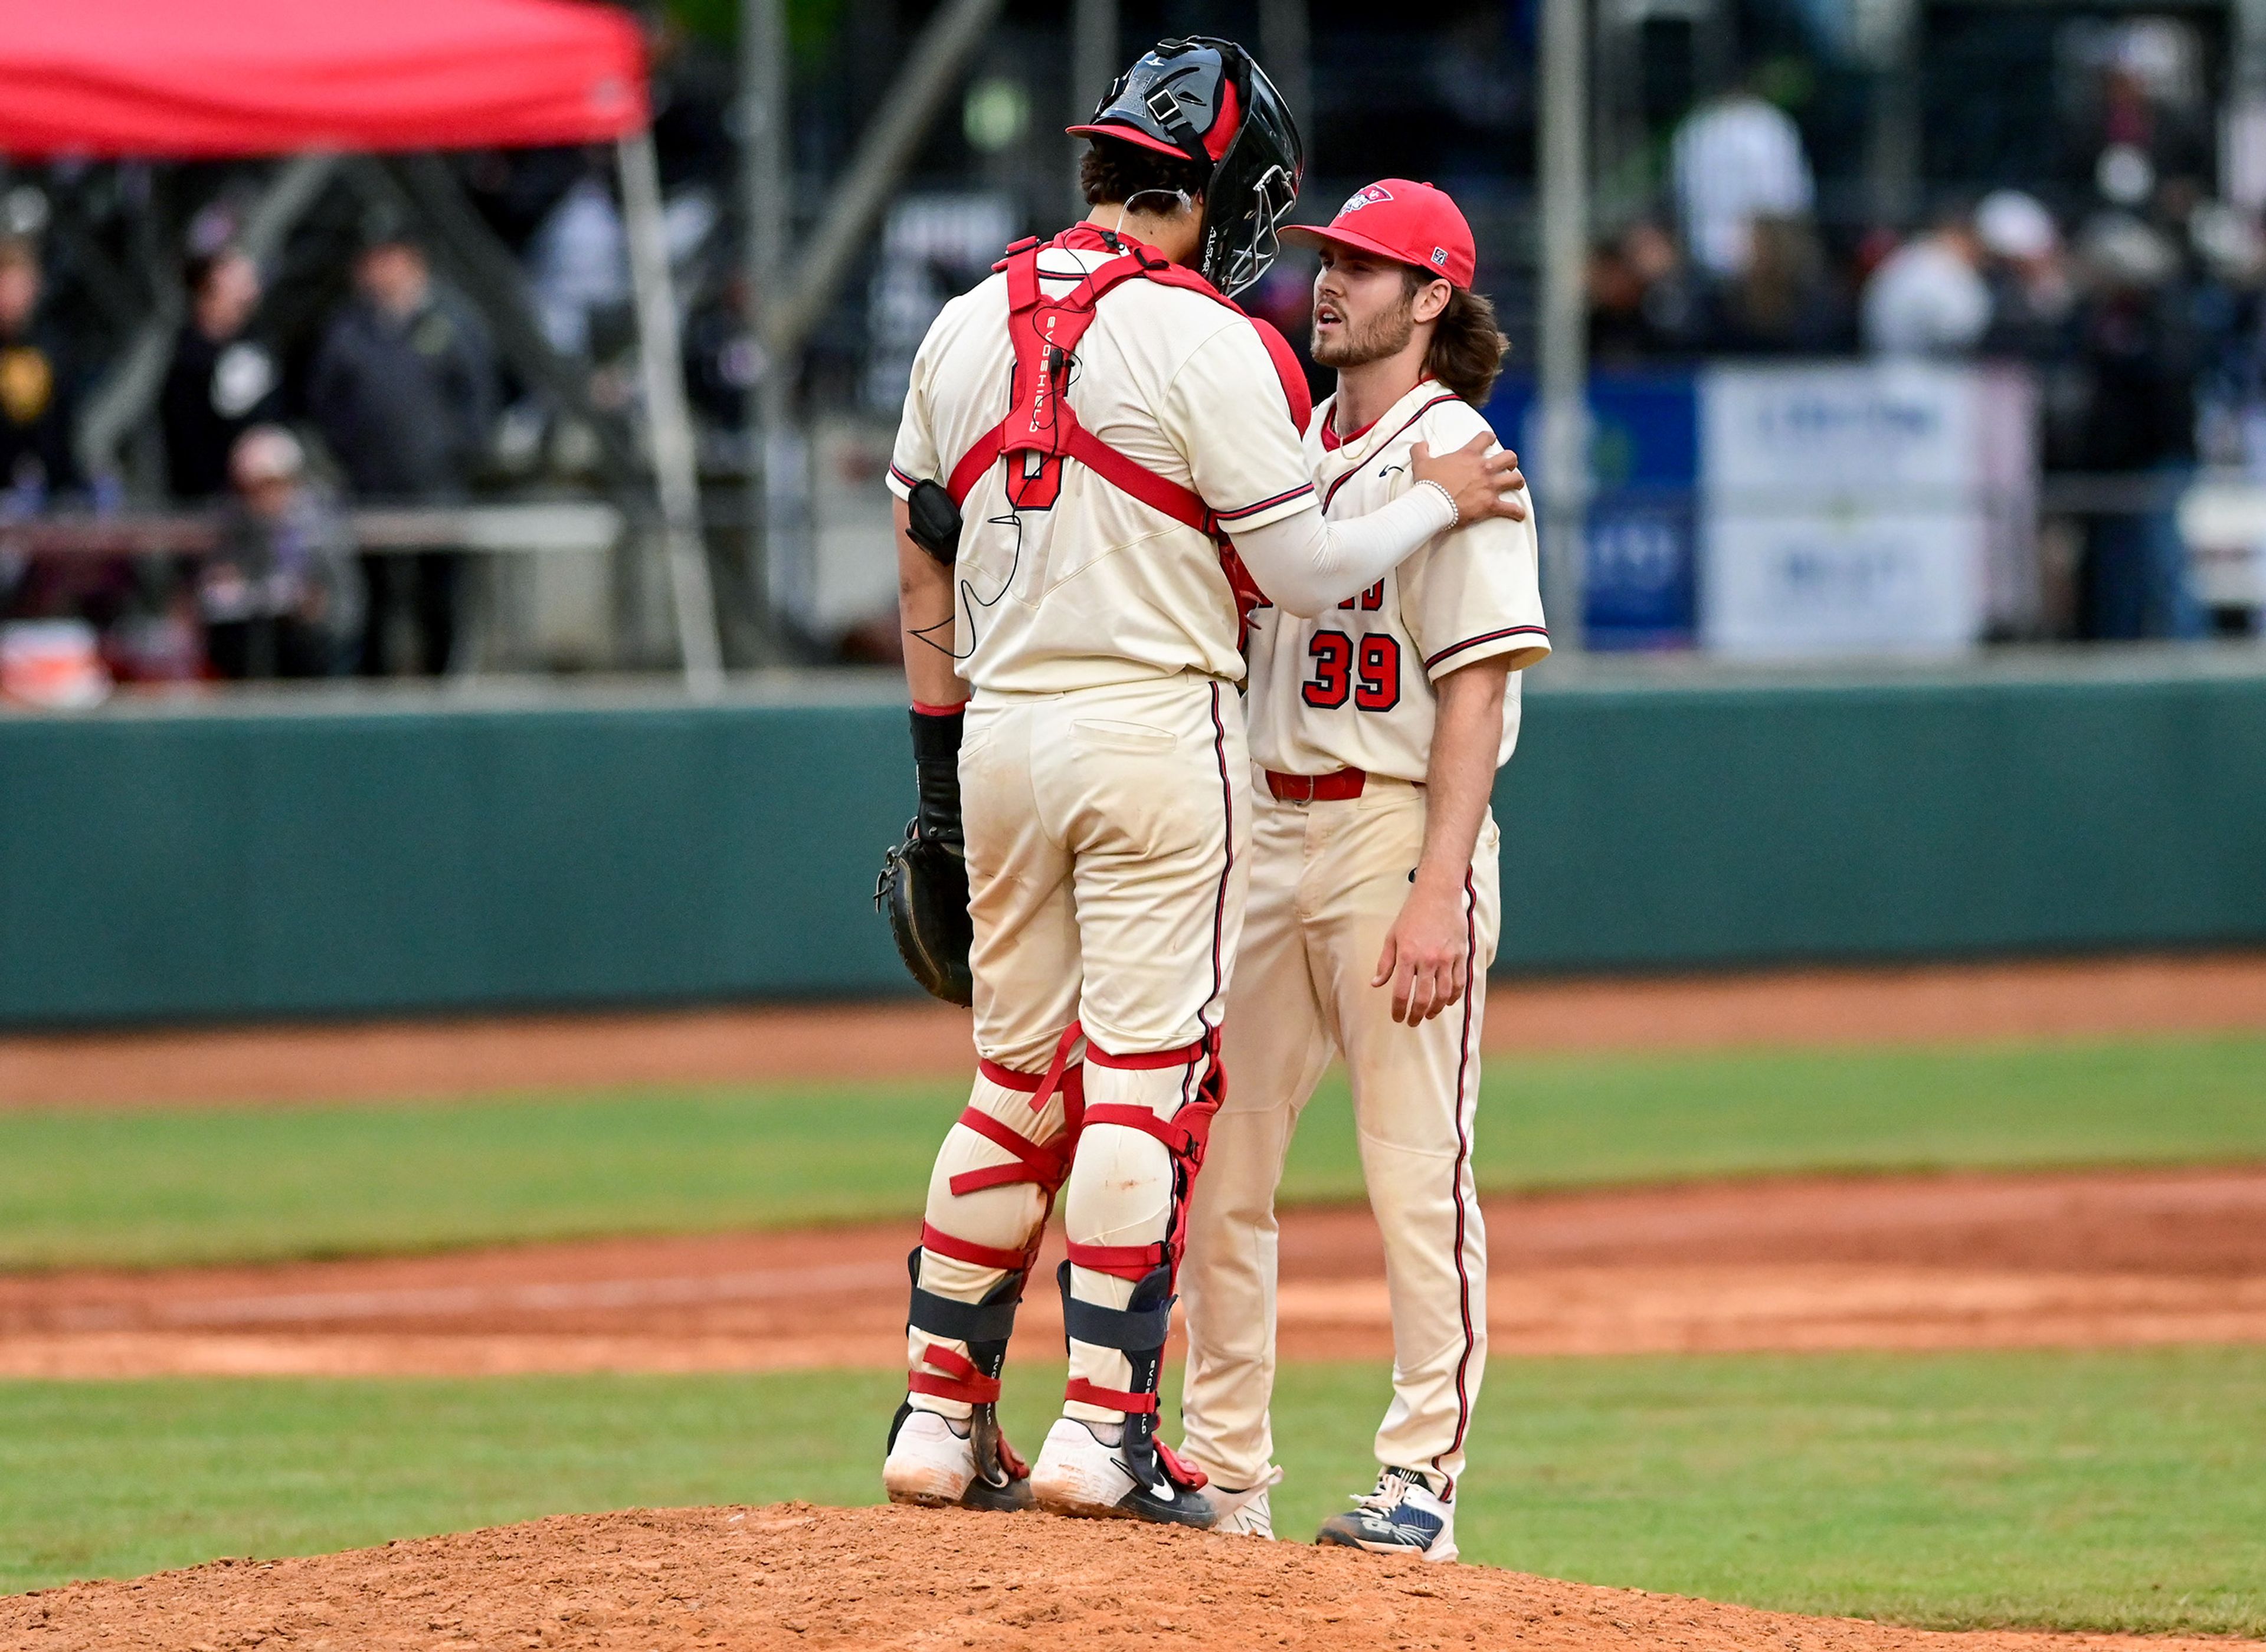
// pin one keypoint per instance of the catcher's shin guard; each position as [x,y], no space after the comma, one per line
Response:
[944,1463]
[1082,1470]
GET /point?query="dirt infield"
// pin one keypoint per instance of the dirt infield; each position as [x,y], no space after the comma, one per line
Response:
[727,1045]
[795,1575]
[2088,1260]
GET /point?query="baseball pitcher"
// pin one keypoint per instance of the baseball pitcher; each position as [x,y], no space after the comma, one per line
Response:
[1378,727]
[1084,432]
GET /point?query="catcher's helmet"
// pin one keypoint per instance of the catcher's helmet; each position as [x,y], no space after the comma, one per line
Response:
[1204,99]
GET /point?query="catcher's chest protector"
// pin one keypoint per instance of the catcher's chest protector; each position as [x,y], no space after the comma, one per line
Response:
[1041,431]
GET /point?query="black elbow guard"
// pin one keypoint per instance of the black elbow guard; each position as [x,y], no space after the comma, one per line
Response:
[934,521]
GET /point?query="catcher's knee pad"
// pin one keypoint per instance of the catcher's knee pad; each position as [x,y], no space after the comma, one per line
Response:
[1193,1072]
[984,1213]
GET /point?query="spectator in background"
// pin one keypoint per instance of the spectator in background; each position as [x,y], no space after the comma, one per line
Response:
[722,358]
[1782,303]
[578,263]
[2138,345]
[404,391]
[1928,297]
[2032,295]
[1734,160]
[281,594]
[1641,303]
[36,386]
[221,382]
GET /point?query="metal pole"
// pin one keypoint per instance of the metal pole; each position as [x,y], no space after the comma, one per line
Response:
[767,180]
[932,68]
[791,305]
[2242,155]
[1286,53]
[1565,425]
[1892,137]
[669,418]
[1093,69]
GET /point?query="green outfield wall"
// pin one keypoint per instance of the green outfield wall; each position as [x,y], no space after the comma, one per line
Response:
[349,856]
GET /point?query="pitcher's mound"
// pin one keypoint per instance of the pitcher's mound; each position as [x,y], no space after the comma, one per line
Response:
[795,1575]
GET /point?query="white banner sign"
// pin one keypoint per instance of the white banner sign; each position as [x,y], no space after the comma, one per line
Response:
[1848,508]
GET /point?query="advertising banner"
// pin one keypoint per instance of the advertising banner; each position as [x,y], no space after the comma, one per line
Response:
[1644,463]
[1854,507]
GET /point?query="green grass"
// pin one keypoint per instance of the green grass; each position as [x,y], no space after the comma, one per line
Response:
[148,1187]
[2110,1490]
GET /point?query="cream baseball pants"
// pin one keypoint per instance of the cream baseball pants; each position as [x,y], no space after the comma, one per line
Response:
[1328,880]
[1108,835]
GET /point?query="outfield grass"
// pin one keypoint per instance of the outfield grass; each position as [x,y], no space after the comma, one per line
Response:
[149,1187]
[2111,1490]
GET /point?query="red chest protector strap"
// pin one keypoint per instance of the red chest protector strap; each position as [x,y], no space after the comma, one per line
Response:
[1042,429]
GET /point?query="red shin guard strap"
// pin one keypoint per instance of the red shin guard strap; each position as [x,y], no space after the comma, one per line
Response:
[1088,1394]
[1179,1473]
[1134,1263]
[1054,1079]
[1035,1161]
[1011,1461]
[963,1382]
[961,1250]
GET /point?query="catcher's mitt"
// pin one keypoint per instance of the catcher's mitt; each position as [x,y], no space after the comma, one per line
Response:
[923,890]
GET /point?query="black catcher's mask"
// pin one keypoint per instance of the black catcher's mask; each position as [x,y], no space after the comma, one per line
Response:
[1204,99]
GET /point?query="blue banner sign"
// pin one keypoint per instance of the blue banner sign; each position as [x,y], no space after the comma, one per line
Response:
[1644,458]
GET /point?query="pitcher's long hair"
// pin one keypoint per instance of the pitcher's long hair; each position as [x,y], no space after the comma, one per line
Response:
[1468,347]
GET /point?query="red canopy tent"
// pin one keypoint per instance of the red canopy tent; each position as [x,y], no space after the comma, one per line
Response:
[203,77]
[186,78]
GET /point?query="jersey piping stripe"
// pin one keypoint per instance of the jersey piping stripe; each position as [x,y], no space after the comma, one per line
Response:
[1354,470]
[1455,648]
[1474,985]
[1226,872]
[898,472]
[1264,504]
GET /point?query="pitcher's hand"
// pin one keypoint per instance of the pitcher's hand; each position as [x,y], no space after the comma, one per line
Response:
[1424,954]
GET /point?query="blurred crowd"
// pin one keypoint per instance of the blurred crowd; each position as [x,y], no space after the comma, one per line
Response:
[2140,307]
[341,370]
[401,390]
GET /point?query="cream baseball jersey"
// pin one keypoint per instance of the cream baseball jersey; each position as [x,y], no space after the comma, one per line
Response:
[1096,587]
[1351,690]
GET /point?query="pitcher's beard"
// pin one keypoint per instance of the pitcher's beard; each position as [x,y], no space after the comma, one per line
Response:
[1387,334]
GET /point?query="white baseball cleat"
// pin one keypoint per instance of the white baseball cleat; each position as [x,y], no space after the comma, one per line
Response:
[931,1462]
[1403,1515]
[1082,1470]
[1243,1513]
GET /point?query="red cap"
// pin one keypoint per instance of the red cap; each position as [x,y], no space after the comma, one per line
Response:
[1408,223]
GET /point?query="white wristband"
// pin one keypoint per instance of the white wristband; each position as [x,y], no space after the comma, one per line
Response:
[1455,515]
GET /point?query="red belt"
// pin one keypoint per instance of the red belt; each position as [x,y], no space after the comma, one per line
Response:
[1316,788]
